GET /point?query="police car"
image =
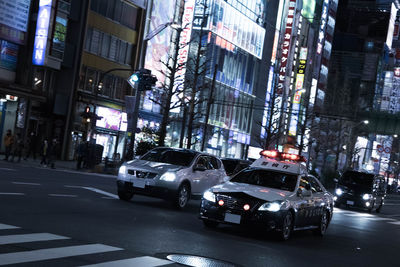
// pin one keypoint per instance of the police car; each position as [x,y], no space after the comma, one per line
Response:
[275,192]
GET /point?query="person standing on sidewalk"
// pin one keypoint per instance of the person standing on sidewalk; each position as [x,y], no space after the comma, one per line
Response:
[44,150]
[53,149]
[31,146]
[8,143]
[18,146]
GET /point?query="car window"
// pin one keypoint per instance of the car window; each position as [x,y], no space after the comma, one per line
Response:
[315,187]
[305,183]
[353,178]
[214,163]
[203,161]
[181,158]
[266,178]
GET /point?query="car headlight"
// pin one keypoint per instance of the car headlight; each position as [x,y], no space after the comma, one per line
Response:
[210,196]
[168,177]
[271,206]
[367,196]
[122,170]
[339,191]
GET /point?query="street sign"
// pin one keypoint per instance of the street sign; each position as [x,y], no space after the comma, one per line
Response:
[379,148]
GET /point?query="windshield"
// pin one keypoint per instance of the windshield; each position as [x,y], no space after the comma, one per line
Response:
[267,178]
[165,155]
[357,178]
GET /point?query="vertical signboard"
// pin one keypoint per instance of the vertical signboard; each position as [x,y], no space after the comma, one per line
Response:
[42,31]
[286,46]
[183,52]
[298,92]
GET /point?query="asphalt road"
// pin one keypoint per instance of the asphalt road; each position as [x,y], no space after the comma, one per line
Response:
[65,218]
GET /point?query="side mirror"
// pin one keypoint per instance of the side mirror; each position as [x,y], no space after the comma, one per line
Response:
[199,167]
[301,192]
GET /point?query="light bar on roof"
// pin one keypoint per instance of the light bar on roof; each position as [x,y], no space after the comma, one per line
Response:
[282,156]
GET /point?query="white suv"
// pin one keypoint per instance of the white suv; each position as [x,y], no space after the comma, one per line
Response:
[170,173]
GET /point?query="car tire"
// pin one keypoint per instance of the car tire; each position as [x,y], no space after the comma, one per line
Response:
[323,224]
[210,224]
[287,227]
[182,196]
[125,195]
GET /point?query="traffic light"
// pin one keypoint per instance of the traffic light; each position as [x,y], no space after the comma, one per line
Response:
[144,79]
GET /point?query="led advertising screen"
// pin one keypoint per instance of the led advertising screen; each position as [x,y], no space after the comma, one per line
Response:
[112,119]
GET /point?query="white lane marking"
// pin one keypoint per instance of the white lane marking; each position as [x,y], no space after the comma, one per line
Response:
[94,190]
[12,194]
[380,219]
[6,227]
[145,261]
[53,253]
[22,183]
[14,239]
[7,169]
[62,195]
[396,223]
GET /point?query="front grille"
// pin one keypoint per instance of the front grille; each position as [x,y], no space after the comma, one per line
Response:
[142,174]
[234,203]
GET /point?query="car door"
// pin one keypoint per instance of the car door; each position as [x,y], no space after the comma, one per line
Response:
[200,173]
[217,173]
[318,196]
[305,204]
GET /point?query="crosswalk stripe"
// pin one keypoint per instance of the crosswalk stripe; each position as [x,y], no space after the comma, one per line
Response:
[6,227]
[14,239]
[396,223]
[53,253]
[101,192]
[145,261]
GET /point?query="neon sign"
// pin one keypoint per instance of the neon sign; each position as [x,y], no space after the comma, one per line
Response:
[42,31]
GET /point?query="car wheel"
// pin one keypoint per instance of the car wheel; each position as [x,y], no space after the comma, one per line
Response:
[287,227]
[323,224]
[182,197]
[210,224]
[125,195]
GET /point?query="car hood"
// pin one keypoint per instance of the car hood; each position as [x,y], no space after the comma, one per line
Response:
[264,193]
[355,189]
[152,166]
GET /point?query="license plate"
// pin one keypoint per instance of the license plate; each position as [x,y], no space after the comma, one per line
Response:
[349,202]
[139,183]
[232,218]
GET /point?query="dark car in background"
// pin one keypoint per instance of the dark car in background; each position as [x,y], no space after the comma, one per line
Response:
[360,189]
[233,166]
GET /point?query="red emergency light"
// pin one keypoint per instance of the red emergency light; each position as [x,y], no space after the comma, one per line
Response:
[282,156]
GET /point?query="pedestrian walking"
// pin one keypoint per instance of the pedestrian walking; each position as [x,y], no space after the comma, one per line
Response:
[31,146]
[44,150]
[17,147]
[8,143]
[52,151]
[80,155]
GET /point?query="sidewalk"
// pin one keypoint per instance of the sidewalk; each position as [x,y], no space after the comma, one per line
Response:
[60,164]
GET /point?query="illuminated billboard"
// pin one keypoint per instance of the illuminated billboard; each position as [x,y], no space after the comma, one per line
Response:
[308,10]
[14,16]
[112,119]
[42,31]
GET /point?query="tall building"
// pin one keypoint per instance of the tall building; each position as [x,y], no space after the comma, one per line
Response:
[224,42]
[54,57]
